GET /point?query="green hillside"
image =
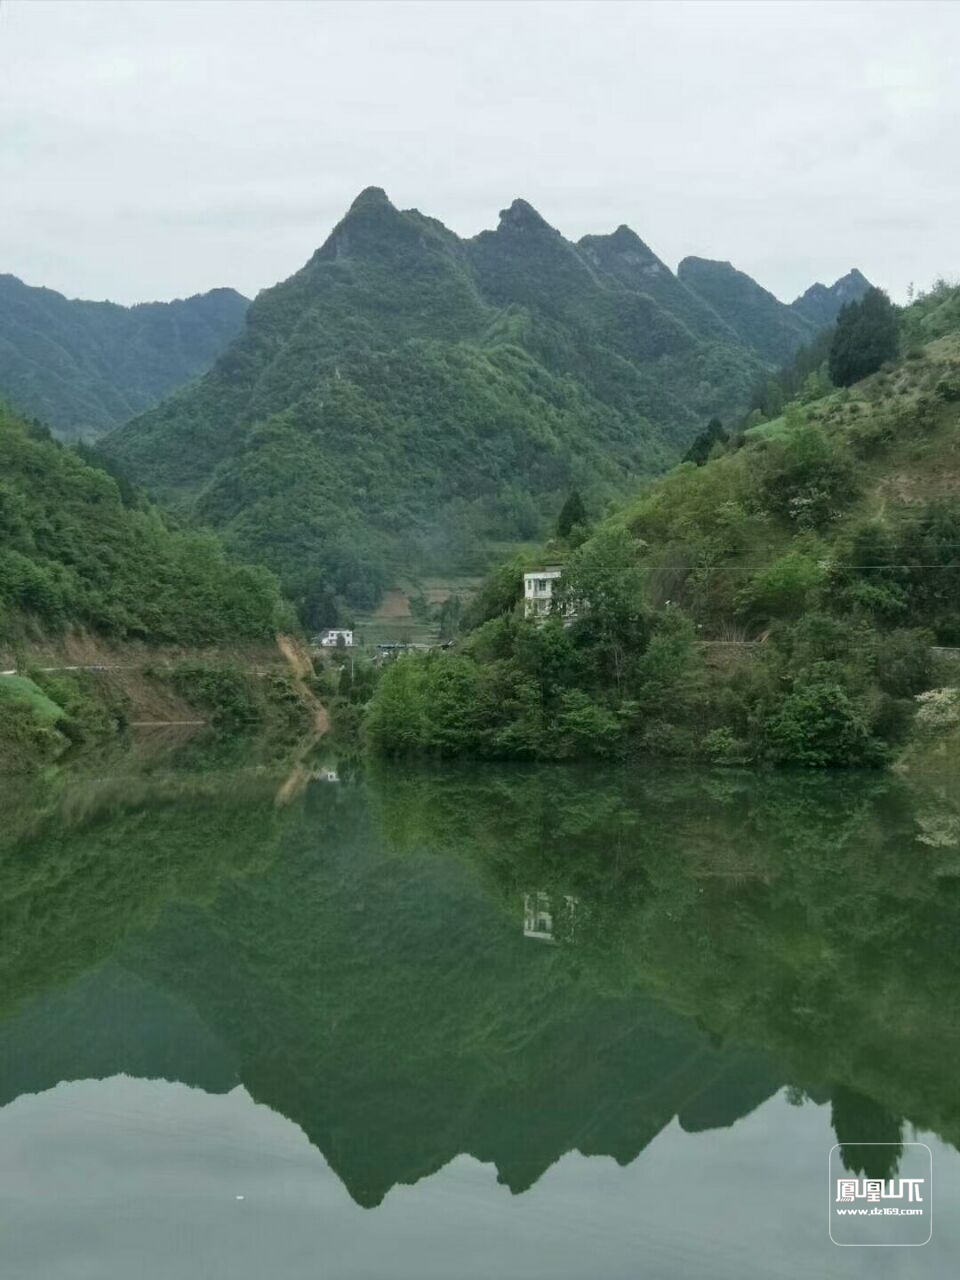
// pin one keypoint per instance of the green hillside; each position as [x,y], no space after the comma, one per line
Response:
[759,320]
[80,549]
[408,398]
[782,602]
[83,367]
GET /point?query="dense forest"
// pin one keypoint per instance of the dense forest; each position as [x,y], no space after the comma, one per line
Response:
[409,398]
[782,601]
[80,549]
[82,367]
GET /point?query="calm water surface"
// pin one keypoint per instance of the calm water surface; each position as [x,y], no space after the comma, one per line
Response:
[470,1023]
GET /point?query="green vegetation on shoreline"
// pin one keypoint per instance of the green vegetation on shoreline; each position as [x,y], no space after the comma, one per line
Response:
[82,552]
[828,537]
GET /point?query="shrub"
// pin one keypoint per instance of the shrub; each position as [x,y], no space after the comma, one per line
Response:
[723,747]
[938,709]
[817,726]
[904,662]
[587,727]
[807,476]
[660,738]
[785,588]
[89,711]
[892,718]
[226,691]
[29,726]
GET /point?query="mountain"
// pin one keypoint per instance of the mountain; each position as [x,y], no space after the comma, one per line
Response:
[625,256]
[821,304]
[81,549]
[787,595]
[82,367]
[761,321]
[409,397]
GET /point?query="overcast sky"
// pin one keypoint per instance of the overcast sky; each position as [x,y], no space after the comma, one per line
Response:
[156,149]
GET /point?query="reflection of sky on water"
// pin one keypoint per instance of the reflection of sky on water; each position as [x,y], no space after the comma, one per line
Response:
[105,1180]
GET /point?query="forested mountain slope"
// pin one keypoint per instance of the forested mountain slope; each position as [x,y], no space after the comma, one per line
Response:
[822,304]
[80,549]
[819,548]
[82,367]
[409,397]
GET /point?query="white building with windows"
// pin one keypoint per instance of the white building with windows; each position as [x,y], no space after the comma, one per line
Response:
[334,638]
[540,920]
[538,587]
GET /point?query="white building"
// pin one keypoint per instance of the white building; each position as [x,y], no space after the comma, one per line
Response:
[538,587]
[334,638]
[539,919]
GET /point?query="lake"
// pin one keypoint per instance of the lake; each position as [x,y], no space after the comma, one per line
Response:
[455,1023]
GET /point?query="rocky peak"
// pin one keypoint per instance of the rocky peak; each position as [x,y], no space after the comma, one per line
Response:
[370,226]
[522,216]
[821,304]
[623,247]
[370,198]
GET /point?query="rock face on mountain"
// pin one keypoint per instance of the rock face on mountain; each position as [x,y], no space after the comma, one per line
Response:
[83,367]
[409,396]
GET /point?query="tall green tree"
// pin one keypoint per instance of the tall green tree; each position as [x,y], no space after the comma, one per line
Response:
[867,335]
[572,514]
[713,433]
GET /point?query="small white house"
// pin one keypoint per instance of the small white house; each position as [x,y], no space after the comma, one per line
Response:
[540,918]
[538,587]
[334,638]
[537,917]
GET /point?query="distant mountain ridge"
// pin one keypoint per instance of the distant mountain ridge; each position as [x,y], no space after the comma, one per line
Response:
[409,396]
[83,367]
[821,305]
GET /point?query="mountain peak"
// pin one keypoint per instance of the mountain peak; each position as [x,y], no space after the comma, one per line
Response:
[371,198]
[772,329]
[626,238]
[692,263]
[371,225]
[821,304]
[522,216]
[624,244]
[854,276]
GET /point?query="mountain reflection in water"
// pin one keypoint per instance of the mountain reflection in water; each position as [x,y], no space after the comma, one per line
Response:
[514,964]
